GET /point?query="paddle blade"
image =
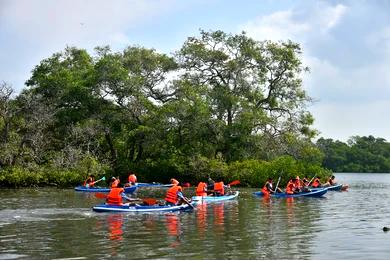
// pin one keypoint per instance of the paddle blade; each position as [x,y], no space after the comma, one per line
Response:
[100,195]
[103,178]
[234,182]
[149,201]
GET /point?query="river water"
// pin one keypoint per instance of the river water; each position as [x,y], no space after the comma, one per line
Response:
[52,223]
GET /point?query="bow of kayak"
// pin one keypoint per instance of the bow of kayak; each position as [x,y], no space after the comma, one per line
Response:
[153,185]
[128,190]
[215,198]
[315,193]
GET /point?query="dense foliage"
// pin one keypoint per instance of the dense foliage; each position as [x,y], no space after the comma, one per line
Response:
[359,154]
[224,106]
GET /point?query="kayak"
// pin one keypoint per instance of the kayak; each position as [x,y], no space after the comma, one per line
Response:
[128,190]
[314,193]
[154,185]
[337,187]
[139,208]
[215,198]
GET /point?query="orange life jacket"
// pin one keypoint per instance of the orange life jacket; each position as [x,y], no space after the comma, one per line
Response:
[201,189]
[114,197]
[290,187]
[316,183]
[132,178]
[171,196]
[265,190]
[219,188]
[298,183]
[115,183]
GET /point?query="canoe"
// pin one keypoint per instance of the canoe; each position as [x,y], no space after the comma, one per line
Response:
[316,193]
[215,198]
[128,190]
[139,208]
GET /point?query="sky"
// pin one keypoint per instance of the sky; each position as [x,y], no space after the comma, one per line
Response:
[346,44]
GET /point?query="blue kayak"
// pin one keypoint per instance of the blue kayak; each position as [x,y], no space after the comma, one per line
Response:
[337,187]
[315,193]
[139,208]
[128,190]
[153,185]
[215,198]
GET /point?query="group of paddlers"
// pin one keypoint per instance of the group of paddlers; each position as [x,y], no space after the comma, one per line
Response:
[297,185]
[174,195]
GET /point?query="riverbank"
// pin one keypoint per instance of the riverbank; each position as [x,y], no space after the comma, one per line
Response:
[251,173]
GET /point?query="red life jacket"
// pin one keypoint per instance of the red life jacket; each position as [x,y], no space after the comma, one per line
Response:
[298,183]
[316,183]
[114,197]
[132,179]
[171,196]
[219,188]
[201,189]
[290,187]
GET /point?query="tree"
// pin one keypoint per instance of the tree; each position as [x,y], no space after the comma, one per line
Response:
[254,89]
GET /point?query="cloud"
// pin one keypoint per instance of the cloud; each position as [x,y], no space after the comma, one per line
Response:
[77,22]
[277,26]
[349,62]
[33,30]
[296,25]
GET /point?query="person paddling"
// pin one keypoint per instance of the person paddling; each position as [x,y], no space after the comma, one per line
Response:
[298,183]
[291,188]
[316,183]
[210,184]
[132,180]
[268,188]
[305,182]
[90,181]
[201,189]
[114,182]
[331,181]
[219,188]
[116,196]
[175,195]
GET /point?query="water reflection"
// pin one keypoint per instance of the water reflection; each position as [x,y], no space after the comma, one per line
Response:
[115,232]
[219,215]
[290,211]
[201,219]
[172,223]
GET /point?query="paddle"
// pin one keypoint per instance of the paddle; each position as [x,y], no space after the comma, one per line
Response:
[312,179]
[100,195]
[234,182]
[93,183]
[277,184]
[186,201]
[149,201]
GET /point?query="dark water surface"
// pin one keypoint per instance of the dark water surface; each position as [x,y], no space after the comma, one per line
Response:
[53,223]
